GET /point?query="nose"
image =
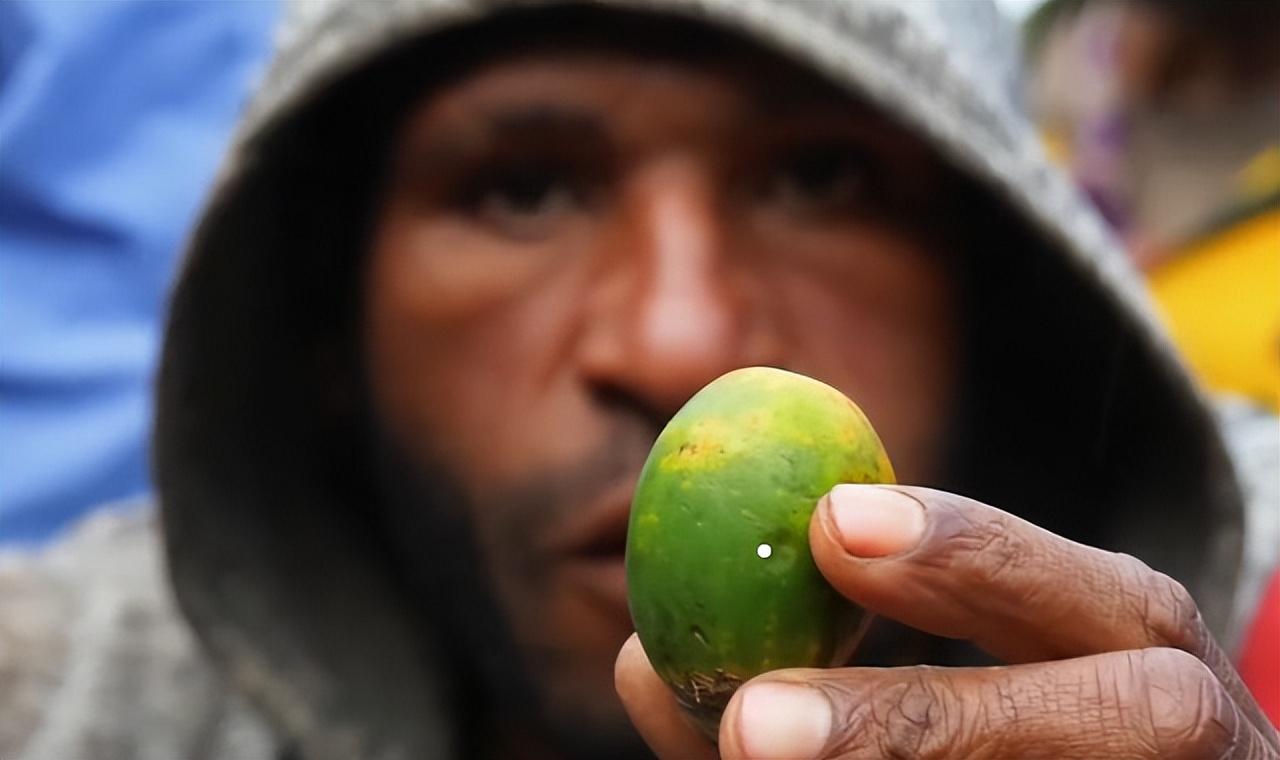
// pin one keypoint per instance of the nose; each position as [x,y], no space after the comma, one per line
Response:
[668,311]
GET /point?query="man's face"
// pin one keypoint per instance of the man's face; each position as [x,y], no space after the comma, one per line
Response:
[576,242]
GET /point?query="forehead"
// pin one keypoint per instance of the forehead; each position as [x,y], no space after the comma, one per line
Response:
[619,82]
[621,64]
[718,102]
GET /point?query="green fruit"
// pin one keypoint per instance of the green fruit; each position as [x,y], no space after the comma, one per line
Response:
[720,579]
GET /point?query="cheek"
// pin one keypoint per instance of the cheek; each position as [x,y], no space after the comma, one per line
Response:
[458,351]
[450,271]
[881,327]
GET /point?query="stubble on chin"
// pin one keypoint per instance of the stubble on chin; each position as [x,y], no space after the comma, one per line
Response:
[483,582]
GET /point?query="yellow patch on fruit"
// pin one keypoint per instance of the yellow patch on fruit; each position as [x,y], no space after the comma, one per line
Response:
[721,582]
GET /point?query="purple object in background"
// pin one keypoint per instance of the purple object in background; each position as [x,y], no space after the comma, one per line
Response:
[113,119]
[1102,138]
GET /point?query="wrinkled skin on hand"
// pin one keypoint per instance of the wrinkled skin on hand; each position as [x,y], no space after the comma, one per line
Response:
[1106,657]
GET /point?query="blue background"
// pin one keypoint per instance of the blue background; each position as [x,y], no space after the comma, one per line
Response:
[113,119]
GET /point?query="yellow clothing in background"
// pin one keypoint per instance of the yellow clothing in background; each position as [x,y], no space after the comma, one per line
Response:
[1221,299]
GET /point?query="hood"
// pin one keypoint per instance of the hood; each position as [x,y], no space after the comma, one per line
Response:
[1076,411]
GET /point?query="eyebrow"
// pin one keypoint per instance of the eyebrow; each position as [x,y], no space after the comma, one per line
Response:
[545,118]
[548,124]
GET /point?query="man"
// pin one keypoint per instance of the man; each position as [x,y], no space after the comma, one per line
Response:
[466,262]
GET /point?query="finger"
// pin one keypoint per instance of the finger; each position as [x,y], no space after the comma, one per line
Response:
[955,567]
[653,709]
[1153,703]
[958,568]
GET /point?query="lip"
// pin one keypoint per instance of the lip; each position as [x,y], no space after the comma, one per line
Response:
[603,582]
[592,547]
[599,533]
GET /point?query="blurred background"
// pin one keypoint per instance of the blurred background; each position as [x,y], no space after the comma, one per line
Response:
[114,117]
[1167,113]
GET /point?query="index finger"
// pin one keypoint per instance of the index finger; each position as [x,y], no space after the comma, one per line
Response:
[955,567]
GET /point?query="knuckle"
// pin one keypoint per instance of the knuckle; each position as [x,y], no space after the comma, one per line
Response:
[1184,707]
[911,718]
[1169,614]
[984,552]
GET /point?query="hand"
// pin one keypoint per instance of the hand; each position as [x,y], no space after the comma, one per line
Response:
[1107,657]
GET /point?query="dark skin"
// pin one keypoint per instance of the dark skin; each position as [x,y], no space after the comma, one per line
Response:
[574,243]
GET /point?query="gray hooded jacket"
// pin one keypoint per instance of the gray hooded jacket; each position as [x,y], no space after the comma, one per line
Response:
[302,640]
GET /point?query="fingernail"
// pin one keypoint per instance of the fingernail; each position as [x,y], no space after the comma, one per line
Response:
[782,721]
[874,521]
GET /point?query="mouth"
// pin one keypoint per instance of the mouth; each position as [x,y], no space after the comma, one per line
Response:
[600,532]
[592,548]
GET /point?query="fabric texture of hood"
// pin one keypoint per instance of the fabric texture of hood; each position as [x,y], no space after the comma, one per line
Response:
[1077,402]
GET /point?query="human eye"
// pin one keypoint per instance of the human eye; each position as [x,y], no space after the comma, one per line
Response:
[819,179]
[522,198]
